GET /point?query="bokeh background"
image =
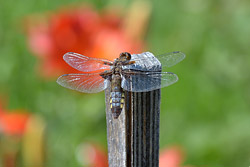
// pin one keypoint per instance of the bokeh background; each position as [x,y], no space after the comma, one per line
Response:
[205,114]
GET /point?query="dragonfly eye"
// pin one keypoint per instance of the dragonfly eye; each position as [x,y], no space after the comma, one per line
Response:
[125,55]
[128,56]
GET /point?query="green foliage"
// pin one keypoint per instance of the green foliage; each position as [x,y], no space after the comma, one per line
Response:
[206,112]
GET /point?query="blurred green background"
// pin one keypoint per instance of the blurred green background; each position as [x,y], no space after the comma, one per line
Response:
[206,113]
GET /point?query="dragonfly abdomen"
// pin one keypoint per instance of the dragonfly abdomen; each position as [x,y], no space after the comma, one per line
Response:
[116,97]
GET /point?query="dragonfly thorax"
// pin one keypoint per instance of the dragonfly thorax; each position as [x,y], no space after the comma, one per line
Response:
[116,78]
[123,59]
[117,70]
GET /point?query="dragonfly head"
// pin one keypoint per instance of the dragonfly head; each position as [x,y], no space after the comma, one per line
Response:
[125,56]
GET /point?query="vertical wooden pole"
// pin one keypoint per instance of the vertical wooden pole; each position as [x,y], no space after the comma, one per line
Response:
[133,138]
[145,141]
[116,136]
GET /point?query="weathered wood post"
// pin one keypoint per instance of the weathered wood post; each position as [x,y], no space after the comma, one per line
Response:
[133,138]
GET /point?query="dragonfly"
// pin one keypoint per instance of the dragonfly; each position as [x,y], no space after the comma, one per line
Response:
[134,73]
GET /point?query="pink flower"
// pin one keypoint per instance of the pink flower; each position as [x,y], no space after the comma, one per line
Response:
[92,155]
[171,157]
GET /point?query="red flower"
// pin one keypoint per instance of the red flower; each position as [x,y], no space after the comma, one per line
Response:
[13,123]
[81,30]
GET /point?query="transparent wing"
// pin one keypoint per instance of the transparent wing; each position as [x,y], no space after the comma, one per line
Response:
[171,59]
[166,60]
[138,81]
[87,83]
[86,64]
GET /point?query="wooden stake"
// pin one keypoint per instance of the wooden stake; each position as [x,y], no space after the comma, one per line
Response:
[133,138]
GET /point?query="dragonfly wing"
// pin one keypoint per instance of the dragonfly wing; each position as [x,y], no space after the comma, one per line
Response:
[86,64]
[148,62]
[87,83]
[170,59]
[147,81]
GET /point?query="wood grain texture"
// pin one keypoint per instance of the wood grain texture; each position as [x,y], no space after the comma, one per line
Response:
[116,136]
[145,130]
[133,138]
